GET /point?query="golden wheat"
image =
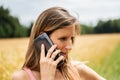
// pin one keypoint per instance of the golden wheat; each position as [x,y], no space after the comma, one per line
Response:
[92,48]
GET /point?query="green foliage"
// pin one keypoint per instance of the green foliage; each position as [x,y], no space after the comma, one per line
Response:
[110,66]
[86,29]
[110,26]
[10,25]
[29,30]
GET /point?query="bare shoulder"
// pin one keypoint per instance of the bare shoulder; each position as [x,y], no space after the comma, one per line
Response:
[19,75]
[86,72]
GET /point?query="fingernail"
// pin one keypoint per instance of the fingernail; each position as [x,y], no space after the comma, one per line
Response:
[59,50]
[55,45]
[42,45]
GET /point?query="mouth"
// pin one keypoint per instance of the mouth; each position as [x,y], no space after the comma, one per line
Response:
[64,54]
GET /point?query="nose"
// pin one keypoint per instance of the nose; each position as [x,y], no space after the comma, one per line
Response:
[69,45]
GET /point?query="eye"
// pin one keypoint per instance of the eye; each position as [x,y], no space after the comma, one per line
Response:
[72,38]
[63,38]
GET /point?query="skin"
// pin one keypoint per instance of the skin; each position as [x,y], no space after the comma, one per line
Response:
[62,38]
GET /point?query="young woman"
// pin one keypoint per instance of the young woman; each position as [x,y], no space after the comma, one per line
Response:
[62,28]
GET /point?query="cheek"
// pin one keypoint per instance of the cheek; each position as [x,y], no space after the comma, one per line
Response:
[59,44]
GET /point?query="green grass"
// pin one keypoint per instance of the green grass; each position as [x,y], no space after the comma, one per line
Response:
[110,66]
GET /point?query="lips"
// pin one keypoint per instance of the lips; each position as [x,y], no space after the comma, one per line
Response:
[64,54]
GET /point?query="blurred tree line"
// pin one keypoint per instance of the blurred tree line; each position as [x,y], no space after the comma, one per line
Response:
[10,26]
[109,26]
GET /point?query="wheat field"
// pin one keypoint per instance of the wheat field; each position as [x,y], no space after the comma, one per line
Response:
[93,48]
[89,48]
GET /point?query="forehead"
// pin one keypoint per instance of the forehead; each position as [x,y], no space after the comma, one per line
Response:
[67,30]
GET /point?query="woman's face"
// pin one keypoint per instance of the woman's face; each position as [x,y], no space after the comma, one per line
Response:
[63,38]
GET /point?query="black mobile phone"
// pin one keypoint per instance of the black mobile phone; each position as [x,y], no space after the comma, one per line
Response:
[44,39]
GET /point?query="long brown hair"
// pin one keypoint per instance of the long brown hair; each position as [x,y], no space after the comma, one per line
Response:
[48,21]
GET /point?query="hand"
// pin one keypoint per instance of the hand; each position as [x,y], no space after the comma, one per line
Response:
[48,64]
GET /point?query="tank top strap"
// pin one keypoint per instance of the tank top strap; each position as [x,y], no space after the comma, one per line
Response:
[29,73]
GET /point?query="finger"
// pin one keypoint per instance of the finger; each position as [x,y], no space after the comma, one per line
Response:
[54,54]
[59,59]
[50,51]
[42,51]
